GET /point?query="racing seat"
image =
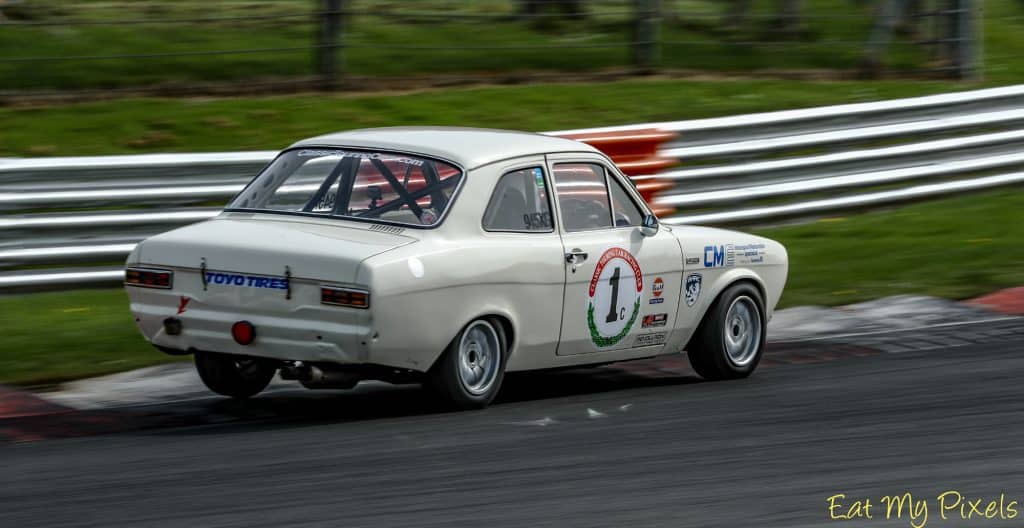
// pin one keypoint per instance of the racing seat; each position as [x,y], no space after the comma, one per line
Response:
[511,210]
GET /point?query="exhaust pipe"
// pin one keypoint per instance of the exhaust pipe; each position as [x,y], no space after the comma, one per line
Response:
[319,377]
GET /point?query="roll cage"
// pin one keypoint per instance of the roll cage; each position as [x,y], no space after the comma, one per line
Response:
[349,168]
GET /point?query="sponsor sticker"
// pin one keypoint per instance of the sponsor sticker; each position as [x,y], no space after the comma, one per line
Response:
[613,299]
[720,256]
[643,340]
[655,320]
[538,177]
[750,253]
[657,288]
[183,304]
[248,281]
[313,153]
[692,289]
[692,260]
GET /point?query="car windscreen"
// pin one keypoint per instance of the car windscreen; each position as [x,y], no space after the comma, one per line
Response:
[358,184]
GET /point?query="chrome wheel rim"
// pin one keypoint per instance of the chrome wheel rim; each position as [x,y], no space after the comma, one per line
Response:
[742,331]
[479,357]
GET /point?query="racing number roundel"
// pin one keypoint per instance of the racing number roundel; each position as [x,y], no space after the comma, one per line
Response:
[613,303]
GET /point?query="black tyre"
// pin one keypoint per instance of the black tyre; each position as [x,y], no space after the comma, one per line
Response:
[234,376]
[469,373]
[730,340]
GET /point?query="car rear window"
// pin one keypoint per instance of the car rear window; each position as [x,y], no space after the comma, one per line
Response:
[356,184]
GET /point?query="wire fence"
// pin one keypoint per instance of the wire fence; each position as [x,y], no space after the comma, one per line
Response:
[98,46]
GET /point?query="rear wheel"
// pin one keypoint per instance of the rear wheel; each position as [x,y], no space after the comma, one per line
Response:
[469,373]
[730,340]
[235,376]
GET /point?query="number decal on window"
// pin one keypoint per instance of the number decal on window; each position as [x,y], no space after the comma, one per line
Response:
[537,221]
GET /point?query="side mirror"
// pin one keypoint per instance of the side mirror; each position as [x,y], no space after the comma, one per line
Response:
[649,227]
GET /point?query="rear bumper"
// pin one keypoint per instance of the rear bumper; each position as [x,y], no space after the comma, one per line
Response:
[285,331]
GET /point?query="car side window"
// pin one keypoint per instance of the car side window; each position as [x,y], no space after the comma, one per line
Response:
[626,212]
[582,196]
[519,203]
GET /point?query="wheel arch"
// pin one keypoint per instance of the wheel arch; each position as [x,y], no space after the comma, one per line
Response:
[721,286]
[502,317]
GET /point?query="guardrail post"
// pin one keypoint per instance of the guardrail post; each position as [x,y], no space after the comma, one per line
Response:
[327,56]
[646,34]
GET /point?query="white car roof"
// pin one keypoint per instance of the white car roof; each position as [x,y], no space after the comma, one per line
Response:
[469,147]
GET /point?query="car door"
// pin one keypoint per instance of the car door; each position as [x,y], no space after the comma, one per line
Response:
[524,252]
[621,286]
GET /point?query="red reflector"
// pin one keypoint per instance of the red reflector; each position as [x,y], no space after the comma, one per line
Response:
[243,332]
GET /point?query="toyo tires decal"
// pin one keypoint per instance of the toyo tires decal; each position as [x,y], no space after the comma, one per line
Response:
[613,300]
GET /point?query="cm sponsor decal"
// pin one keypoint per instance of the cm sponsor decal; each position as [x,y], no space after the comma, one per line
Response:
[719,256]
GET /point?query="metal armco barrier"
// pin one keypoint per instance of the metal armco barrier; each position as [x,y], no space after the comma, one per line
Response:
[68,221]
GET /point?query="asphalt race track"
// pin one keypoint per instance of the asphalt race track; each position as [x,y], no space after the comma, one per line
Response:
[645,444]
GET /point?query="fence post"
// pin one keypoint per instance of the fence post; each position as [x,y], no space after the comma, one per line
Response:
[790,15]
[646,32]
[327,56]
[886,19]
[966,40]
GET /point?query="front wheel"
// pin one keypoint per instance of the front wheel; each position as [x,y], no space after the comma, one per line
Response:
[730,340]
[234,376]
[469,373]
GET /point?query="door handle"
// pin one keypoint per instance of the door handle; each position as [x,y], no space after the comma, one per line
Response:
[576,256]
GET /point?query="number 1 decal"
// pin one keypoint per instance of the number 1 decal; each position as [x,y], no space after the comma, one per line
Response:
[619,300]
[614,281]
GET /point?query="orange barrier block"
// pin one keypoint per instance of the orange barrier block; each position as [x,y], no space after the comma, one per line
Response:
[636,154]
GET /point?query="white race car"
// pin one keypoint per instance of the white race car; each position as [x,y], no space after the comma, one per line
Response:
[448,256]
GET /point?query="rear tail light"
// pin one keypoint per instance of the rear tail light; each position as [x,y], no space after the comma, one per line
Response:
[149,278]
[243,332]
[344,297]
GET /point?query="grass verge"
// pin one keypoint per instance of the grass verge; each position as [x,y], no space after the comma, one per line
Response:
[192,125]
[53,337]
[955,248]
